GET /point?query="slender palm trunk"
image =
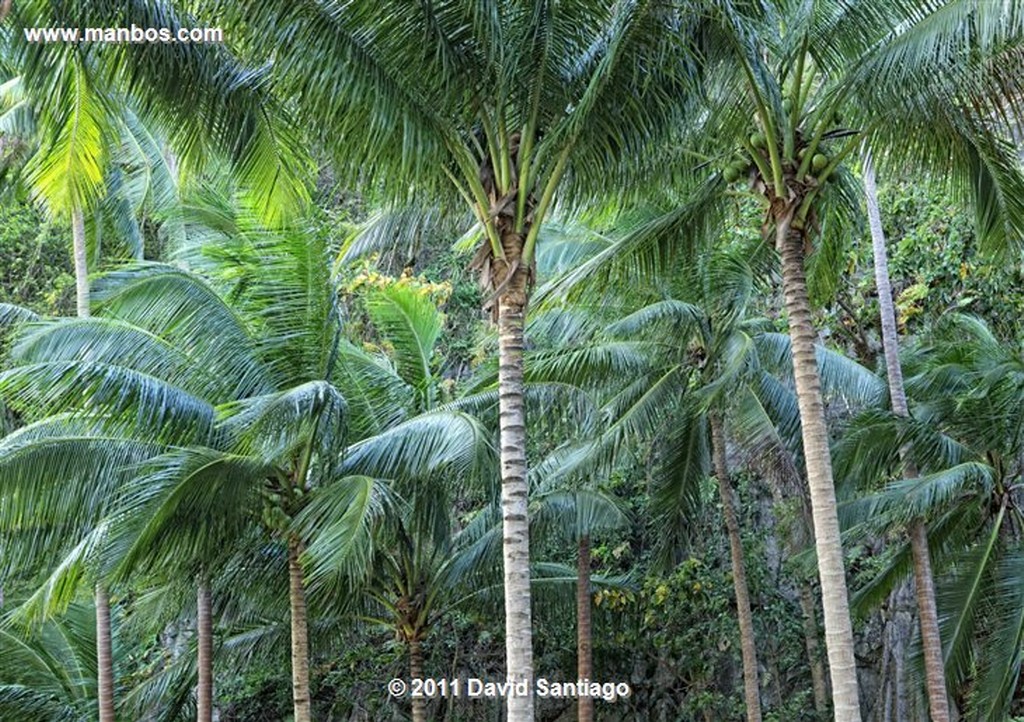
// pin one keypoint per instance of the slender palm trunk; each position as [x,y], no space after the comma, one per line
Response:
[739,575]
[300,634]
[104,651]
[419,704]
[516,546]
[81,259]
[584,630]
[924,582]
[104,656]
[204,628]
[819,683]
[834,596]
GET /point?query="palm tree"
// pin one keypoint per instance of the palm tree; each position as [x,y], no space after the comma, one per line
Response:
[924,582]
[50,673]
[78,114]
[579,515]
[820,80]
[963,438]
[255,434]
[414,458]
[510,109]
[717,365]
[155,359]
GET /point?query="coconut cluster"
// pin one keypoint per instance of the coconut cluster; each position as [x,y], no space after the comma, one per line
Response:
[741,163]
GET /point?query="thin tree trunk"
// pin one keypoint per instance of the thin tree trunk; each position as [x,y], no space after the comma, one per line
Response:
[104,656]
[104,651]
[204,628]
[419,704]
[924,582]
[81,259]
[834,596]
[584,630]
[300,634]
[739,575]
[819,683]
[515,524]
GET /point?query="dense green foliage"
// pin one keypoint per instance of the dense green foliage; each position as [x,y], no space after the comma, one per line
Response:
[279,419]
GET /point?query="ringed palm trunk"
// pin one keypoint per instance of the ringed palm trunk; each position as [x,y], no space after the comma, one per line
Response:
[584,629]
[104,656]
[512,439]
[739,575]
[204,625]
[834,596]
[419,704]
[924,581]
[300,634]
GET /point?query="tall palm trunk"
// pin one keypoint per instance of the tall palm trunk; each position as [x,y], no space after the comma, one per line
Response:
[512,282]
[104,651]
[834,596]
[300,634]
[204,628]
[924,582]
[104,656]
[419,704]
[584,630]
[739,575]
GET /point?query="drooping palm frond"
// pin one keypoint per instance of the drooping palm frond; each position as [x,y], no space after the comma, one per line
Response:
[206,100]
[136,398]
[67,170]
[278,425]
[59,476]
[648,249]
[445,442]
[184,506]
[577,513]
[841,376]
[187,313]
[377,397]
[339,522]
[50,673]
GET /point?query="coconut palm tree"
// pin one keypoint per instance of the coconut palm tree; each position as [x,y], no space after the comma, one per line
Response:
[706,363]
[579,514]
[508,109]
[145,351]
[963,438]
[924,582]
[414,562]
[69,94]
[798,89]
[255,434]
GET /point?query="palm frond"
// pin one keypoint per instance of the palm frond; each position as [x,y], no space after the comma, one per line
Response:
[412,324]
[277,425]
[446,442]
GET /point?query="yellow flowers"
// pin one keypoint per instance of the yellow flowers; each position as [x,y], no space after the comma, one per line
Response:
[367,278]
[614,599]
